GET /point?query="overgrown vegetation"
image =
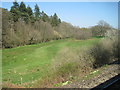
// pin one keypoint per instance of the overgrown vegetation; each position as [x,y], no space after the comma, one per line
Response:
[71,51]
[105,52]
[22,26]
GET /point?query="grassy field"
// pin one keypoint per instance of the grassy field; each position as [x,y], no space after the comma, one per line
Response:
[26,65]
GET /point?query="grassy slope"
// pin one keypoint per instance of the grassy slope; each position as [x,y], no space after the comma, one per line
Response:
[33,62]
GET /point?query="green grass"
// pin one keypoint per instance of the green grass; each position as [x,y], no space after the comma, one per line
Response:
[34,62]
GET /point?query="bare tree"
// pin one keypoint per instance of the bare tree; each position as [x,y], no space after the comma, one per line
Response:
[103,27]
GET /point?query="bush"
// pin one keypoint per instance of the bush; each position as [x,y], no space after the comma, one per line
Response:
[105,52]
[70,62]
[67,30]
[100,54]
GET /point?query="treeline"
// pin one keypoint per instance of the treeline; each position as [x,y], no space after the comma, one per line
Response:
[23,26]
[26,14]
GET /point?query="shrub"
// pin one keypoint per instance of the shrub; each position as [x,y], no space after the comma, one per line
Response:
[105,52]
[100,54]
[70,62]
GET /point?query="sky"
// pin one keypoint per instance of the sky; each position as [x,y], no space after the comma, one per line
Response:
[82,14]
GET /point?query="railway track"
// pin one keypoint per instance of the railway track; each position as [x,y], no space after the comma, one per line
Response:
[113,83]
[99,82]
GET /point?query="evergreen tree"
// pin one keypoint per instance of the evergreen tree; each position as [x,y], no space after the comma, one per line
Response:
[29,11]
[26,14]
[55,20]
[15,4]
[42,13]
[44,17]
[59,20]
[15,11]
[37,11]
[23,11]
[22,7]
